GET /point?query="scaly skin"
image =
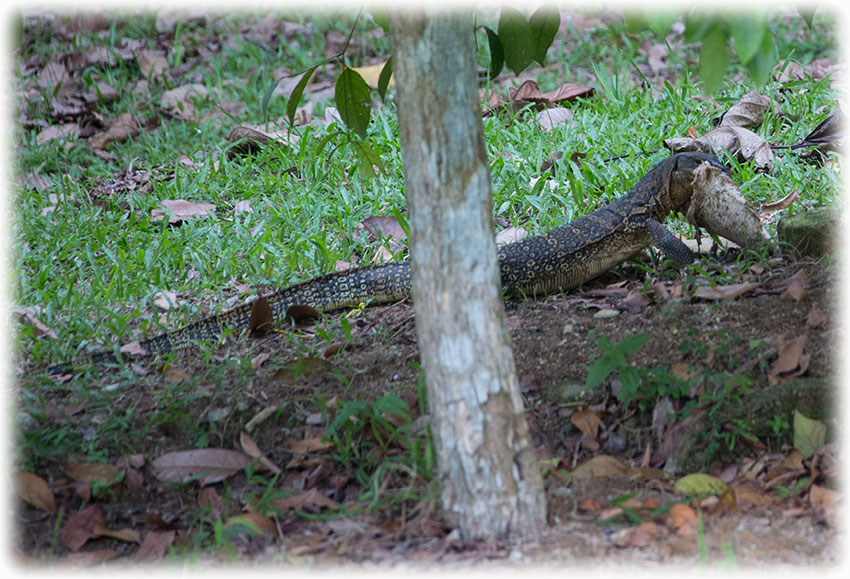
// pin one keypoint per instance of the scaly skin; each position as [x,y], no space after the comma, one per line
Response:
[560,259]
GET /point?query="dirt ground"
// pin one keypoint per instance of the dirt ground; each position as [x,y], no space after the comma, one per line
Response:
[552,350]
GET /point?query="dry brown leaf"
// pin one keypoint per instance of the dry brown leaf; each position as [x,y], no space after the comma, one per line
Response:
[127,534]
[251,448]
[530,92]
[180,102]
[683,518]
[796,291]
[510,235]
[815,318]
[300,314]
[63,132]
[310,498]
[550,118]
[34,490]
[208,498]
[790,356]
[781,204]
[591,505]
[210,465]
[87,558]
[243,206]
[80,528]
[722,292]
[91,471]
[181,210]
[122,129]
[644,534]
[155,546]
[600,466]
[252,138]
[634,302]
[315,444]
[261,320]
[152,63]
[744,144]
[586,420]
[174,374]
[29,315]
[165,300]
[748,111]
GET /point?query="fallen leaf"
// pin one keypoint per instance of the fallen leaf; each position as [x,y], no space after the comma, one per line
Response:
[815,318]
[789,357]
[744,144]
[251,448]
[548,119]
[152,63]
[747,496]
[748,111]
[165,300]
[34,490]
[796,291]
[722,292]
[249,139]
[122,129]
[300,314]
[154,546]
[641,536]
[600,466]
[510,235]
[683,518]
[80,528]
[310,498]
[180,102]
[591,505]
[63,132]
[29,315]
[208,498]
[92,471]
[634,302]
[127,534]
[315,444]
[701,484]
[261,320]
[181,210]
[209,465]
[809,434]
[780,204]
[586,420]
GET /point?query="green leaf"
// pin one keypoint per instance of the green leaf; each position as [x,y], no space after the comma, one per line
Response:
[632,344]
[809,435]
[807,13]
[264,104]
[598,371]
[352,99]
[748,32]
[497,53]
[368,158]
[761,65]
[713,59]
[517,40]
[544,24]
[660,22]
[630,381]
[384,78]
[697,25]
[295,97]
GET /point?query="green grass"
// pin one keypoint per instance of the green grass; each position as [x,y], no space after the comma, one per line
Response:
[302,223]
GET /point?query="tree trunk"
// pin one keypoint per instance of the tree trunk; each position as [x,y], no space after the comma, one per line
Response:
[491,485]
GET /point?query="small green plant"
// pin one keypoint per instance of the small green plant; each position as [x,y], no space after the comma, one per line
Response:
[778,424]
[613,360]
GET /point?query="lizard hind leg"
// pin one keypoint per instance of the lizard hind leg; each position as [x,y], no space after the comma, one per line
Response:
[671,246]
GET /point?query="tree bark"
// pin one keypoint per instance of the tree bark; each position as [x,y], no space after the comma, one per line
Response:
[491,484]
